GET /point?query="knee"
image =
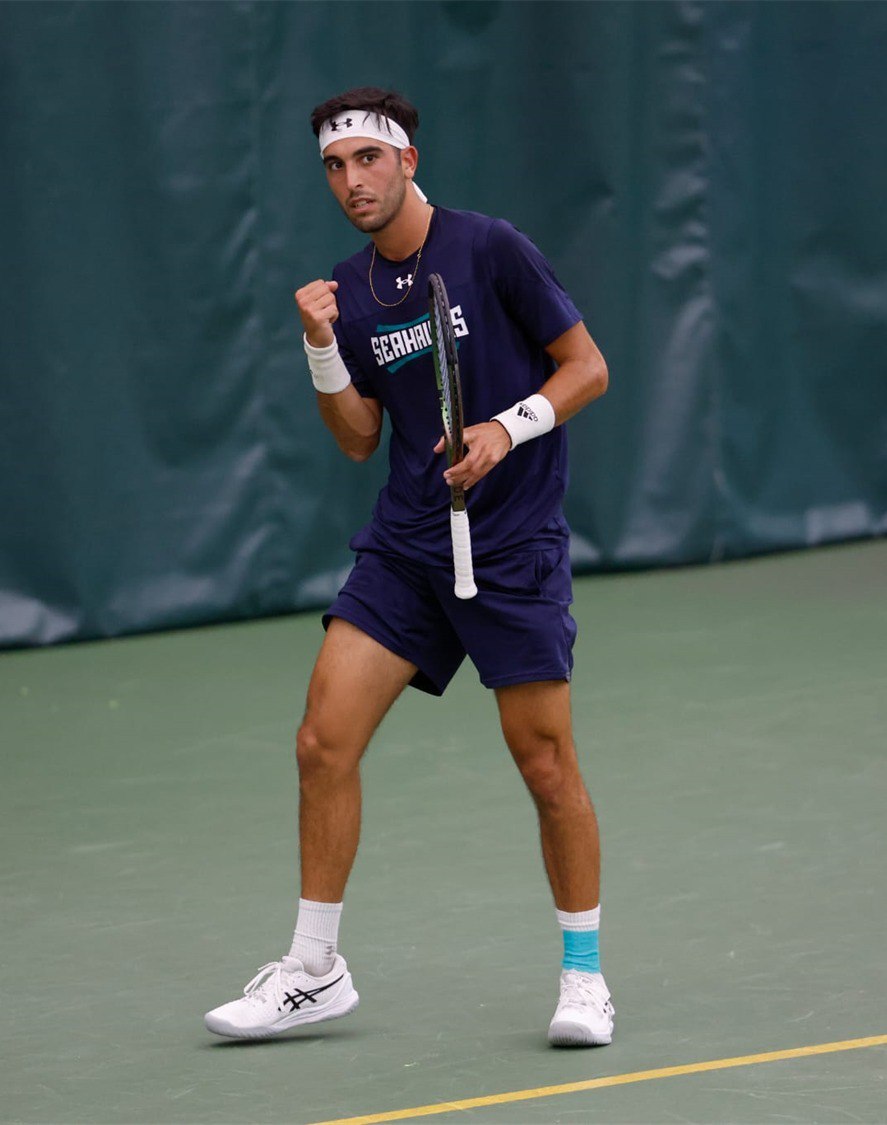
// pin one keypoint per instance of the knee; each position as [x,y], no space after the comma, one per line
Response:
[318,757]
[546,769]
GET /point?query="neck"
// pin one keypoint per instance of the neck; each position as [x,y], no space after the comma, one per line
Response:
[406,232]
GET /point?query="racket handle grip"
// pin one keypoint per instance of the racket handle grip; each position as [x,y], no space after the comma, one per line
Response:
[462,564]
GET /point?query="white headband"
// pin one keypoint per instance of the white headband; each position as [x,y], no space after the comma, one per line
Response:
[365,123]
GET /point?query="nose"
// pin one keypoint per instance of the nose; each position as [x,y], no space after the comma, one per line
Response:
[353,179]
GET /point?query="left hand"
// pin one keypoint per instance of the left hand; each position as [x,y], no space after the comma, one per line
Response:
[487,445]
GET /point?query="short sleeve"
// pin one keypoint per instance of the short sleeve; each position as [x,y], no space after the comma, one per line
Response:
[527,285]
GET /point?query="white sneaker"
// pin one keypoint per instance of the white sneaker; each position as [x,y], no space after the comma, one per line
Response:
[584,1015]
[281,996]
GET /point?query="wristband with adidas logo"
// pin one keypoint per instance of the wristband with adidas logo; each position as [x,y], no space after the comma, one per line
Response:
[529,418]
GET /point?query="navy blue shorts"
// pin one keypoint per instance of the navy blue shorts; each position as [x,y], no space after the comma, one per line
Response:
[517,630]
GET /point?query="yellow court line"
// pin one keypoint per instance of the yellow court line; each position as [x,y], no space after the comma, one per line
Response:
[611,1080]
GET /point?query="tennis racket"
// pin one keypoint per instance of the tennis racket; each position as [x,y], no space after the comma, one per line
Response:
[446,370]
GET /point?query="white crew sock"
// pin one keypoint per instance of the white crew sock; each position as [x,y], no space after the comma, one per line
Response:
[317,935]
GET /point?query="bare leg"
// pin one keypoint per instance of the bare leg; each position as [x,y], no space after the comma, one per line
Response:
[354,683]
[537,726]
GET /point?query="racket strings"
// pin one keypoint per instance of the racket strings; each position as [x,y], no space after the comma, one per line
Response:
[445,381]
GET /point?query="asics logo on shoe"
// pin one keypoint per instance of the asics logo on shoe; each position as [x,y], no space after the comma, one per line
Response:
[298,997]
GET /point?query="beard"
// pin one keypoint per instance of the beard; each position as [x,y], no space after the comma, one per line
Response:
[389,208]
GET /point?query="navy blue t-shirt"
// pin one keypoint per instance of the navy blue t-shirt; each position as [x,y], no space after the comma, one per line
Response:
[507,306]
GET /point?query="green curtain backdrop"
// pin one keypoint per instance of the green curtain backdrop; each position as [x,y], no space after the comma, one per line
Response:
[707,178]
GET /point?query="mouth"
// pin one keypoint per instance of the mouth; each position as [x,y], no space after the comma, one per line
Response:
[360,205]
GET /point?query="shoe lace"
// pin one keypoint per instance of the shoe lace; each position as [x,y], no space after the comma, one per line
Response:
[267,977]
[583,988]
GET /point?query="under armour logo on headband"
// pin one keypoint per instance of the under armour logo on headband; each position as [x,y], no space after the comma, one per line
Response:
[336,125]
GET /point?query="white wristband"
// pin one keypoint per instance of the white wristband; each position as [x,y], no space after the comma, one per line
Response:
[328,371]
[529,418]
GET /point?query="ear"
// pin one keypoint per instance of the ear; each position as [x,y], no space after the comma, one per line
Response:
[409,161]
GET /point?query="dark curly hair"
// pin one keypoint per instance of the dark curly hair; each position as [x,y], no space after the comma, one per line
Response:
[384,103]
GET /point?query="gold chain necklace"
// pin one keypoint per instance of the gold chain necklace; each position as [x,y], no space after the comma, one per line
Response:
[415,273]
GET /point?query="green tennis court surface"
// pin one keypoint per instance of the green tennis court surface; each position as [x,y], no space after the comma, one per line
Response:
[732,727]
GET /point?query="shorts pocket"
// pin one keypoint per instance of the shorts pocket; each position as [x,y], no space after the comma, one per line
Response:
[547,562]
[523,574]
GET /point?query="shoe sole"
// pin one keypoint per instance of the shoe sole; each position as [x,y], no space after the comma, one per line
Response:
[220,1026]
[567,1034]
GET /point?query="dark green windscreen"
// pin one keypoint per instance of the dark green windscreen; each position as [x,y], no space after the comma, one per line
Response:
[707,178]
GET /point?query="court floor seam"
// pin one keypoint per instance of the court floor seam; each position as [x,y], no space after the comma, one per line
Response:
[609,1080]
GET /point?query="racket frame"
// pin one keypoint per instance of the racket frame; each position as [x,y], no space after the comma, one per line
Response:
[449,388]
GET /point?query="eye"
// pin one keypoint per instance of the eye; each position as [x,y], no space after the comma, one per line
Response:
[370,157]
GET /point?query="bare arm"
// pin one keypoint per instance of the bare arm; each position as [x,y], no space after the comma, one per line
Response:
[354,421]
[580,378]
[581,374]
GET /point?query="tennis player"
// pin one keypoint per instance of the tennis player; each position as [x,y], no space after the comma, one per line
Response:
[528,364]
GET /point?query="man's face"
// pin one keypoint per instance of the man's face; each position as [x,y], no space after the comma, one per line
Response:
[367,178]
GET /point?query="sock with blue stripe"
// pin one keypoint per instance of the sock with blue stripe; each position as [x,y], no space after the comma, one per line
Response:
[581,939]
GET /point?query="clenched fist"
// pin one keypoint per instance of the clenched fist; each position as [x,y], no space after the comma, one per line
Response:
[319,312]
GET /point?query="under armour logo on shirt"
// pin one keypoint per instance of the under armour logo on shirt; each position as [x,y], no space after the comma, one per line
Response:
[335,125]
[402,281]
